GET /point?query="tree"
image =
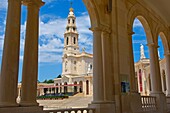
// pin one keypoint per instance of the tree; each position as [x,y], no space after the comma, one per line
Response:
[59,76]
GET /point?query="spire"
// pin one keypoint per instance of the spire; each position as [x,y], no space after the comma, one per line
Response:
[71,9]
[71,34]
[142,53]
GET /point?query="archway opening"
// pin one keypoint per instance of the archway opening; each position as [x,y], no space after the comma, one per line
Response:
[81,87]
[44,47]
[65,88]
[140,40]
[87,87]
[75,87]
[163,50]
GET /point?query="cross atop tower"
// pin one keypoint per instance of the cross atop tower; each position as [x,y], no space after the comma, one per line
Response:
[71,3]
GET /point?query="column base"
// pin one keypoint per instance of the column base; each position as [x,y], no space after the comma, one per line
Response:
[168,93]
[22,103]
[103,106]
[8,104]
[131,103]
[33,109]
[161,101]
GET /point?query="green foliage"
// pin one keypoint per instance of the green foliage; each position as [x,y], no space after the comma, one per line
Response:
[59,76]
[48,81]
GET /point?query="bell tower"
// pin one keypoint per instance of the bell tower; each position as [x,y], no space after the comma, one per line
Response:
[71,35]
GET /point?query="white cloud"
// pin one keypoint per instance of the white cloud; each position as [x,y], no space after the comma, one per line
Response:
[139,41]
[45,57]
[3,4]
[1,42]
[52,35]
[137,23]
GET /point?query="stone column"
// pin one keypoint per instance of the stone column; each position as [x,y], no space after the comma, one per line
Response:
[102,72]
[98,91]
[132,81]
[30,64]
[10,59]
[167,71]
[155,69]
[107,66]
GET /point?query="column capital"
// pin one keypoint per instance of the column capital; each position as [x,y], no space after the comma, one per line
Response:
[167,54]
[152,45]
[38,3]
[129,30]
[101,28]
[130,33]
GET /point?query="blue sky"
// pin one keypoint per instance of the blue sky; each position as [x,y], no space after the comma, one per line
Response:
[53,21]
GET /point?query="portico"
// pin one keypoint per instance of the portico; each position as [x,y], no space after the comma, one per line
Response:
[111,24]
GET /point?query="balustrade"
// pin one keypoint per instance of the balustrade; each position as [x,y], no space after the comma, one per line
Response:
[149,103]
[72,110]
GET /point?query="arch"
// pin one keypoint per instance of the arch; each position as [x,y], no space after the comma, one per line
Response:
[87,87]
[164,42]
[74,40]
[67,41]
[75,87]
[60,87]
[141,14]
[93,13]
[65,88]
[81,87]
[57,89]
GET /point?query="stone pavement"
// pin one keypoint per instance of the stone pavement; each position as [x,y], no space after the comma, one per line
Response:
[76,101]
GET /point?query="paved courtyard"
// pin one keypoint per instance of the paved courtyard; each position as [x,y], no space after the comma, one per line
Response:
[72,102]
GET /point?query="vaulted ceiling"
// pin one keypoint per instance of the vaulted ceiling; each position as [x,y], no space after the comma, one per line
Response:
[162,7]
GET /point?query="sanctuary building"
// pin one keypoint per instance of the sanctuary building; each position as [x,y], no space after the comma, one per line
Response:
[113,62]
[143,77]
[77,67]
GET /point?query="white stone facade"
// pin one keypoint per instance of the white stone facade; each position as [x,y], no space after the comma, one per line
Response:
[77,67]
[143,77]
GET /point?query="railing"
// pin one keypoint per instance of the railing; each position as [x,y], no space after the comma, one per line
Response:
[148,103]
[72,110]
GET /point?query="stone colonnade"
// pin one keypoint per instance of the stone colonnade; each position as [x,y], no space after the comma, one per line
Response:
[10,60]
[103,78]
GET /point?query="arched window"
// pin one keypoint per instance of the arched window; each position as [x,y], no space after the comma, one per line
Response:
[67,28]
[74,28]
[67,40]
[91,66]
[74,40]
[73,21]
[69,21]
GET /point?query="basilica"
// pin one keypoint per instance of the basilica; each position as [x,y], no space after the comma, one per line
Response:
[77,67]
[115,87]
